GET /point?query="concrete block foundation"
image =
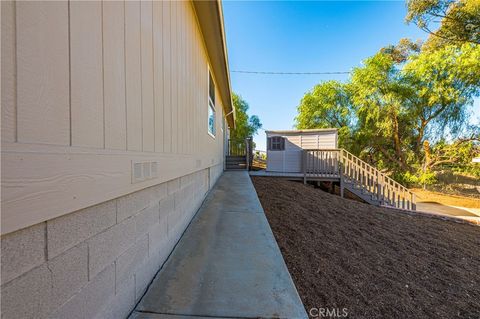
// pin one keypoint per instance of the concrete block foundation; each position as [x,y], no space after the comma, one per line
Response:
[97,262]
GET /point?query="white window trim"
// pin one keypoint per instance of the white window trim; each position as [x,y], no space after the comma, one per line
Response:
[280,143]
[211,104]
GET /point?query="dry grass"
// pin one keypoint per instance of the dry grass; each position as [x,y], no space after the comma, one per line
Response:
[259,165]
[444,199]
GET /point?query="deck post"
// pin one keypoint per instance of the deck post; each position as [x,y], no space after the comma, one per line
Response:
[378,188]
[340,172]
[249,152]
[304,166]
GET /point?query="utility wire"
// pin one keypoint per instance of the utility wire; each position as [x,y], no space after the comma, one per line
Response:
[288,73]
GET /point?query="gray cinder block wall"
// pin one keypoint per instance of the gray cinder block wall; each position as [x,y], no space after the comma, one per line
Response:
[98,262]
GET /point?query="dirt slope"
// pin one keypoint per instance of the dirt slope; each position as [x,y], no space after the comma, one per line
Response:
[375,262]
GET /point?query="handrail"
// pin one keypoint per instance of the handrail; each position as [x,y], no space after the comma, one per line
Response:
[241,148]
[350,168]
[236,147]
[382,174]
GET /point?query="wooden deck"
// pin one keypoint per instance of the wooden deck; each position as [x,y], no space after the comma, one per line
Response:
[297,176]
[355,175]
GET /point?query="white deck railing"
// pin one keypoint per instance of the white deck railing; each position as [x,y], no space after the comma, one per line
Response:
[339,163]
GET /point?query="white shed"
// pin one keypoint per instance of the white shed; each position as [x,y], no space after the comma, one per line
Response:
[284,148]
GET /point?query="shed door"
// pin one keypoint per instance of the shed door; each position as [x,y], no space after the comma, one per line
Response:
[292,161]
[275,153]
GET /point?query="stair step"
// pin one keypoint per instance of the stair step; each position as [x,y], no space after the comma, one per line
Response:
[362,182]
[236,168]
[232,157]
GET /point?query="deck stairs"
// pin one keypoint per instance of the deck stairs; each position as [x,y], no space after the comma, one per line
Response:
[239,154]
[358,177]
[236,162]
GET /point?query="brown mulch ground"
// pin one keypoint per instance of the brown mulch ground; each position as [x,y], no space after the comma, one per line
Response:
[375,262]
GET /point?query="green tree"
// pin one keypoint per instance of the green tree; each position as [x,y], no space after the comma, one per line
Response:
[445,82]
[327,106]
[458,20]
[400,52]
[245,125]
[378,92]
[399,105]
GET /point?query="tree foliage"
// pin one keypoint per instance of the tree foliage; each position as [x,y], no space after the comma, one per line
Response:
[404,110]
[327,105]
[245,125]
[448,21]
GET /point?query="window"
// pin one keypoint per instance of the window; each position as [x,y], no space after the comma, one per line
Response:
[276,143]
[211,88]
[211,105]
[211,119]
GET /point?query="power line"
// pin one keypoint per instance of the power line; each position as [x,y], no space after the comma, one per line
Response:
[288,73]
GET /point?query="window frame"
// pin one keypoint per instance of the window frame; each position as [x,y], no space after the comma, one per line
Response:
[278,141]
[211,105]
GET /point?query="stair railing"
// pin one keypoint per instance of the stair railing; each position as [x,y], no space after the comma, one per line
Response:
[236,147]
[241,148]
[321,163]
[249,152]
[382,187]
[339,163]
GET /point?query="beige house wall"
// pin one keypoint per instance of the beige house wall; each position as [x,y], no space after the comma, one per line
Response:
[90,88]
[97,262]
[106,154]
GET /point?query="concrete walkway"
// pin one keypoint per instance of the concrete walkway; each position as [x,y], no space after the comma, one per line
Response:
[226,265]
[469,214]
[441,209]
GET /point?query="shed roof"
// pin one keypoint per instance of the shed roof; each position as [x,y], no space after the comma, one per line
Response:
[318,130]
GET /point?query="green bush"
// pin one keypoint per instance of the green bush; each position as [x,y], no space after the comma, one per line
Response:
[420,178]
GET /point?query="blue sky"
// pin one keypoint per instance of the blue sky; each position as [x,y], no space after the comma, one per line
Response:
[294,36]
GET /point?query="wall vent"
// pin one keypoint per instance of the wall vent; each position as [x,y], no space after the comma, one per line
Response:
[143,171]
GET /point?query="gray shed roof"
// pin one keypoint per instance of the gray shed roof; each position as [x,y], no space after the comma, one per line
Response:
[319,130]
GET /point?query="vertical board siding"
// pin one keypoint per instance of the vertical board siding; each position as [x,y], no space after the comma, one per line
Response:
[86,73]
[148,121]
[158,73]
[133,75]
[43,96]
[174,73]
[197,93]
[198,82]
[114,74]
[99,81]
[9,117]
[167,73]
[182,82]
[189,40]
